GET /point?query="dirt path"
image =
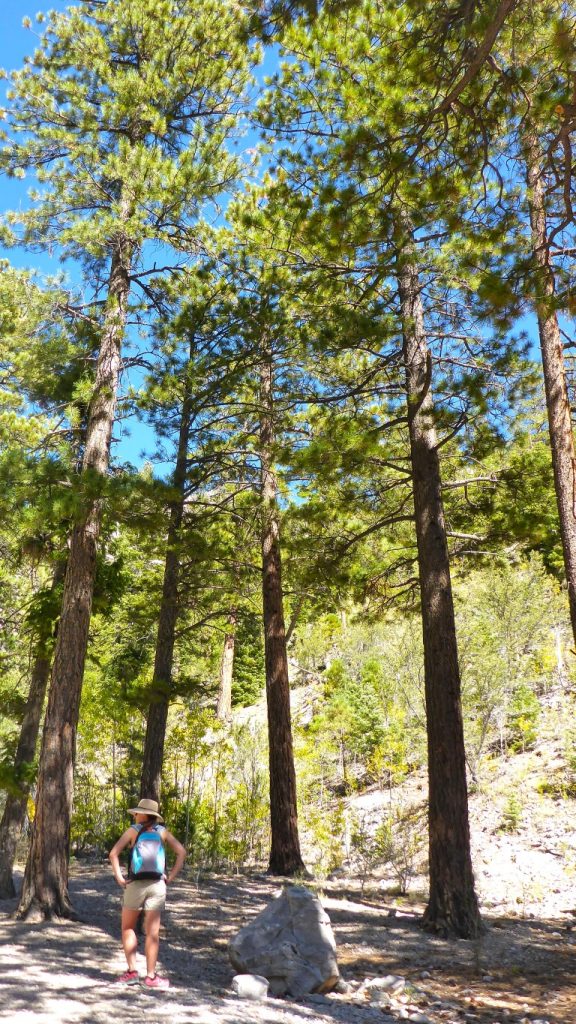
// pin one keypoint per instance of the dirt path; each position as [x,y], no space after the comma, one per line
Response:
[523,970]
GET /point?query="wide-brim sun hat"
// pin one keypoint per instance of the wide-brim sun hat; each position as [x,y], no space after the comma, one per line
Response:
[149,807]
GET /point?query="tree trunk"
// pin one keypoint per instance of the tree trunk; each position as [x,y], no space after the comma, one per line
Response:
[45,889]
[151,779]
[285,857]
[452,907]
[16,803]
[557,398]
[224,707]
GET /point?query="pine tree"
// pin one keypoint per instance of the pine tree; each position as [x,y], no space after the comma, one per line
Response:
[46,353]
[285,856]
[183,399]
[452,895]
[124,111]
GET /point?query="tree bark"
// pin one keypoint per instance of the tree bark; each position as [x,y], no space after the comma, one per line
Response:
[555,384]
[151,779]
[45,889]
[224,706]
[285,856]
[452,906]
[17,802]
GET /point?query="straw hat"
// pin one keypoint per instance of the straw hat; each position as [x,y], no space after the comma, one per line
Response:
[149,807]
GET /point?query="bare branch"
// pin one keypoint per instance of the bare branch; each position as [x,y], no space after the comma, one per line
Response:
[473,480]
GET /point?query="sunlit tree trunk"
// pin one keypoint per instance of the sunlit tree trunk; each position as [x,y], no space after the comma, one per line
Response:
[557,398]
[224,706]
[452,906]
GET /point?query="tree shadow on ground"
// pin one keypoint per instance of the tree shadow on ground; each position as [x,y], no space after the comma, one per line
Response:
[520,969]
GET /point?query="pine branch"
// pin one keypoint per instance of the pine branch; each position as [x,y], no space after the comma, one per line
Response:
[481,55]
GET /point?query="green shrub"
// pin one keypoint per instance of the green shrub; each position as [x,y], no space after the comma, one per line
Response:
[323,835]
[512,813]
[523,717]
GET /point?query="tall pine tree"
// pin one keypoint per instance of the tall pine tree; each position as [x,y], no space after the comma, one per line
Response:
[123,111]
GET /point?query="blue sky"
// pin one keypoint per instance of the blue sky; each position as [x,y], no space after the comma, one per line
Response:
[15,42]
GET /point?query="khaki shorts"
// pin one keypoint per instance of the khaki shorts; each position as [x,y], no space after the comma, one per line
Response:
[145,894]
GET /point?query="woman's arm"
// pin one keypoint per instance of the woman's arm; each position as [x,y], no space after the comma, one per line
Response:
[180,855]
[116,850]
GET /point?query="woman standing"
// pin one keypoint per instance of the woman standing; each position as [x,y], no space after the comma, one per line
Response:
[145,887]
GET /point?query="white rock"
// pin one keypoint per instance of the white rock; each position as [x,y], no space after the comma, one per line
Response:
[390,983]
[250,986]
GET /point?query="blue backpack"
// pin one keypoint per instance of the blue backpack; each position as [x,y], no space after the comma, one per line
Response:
[148,858]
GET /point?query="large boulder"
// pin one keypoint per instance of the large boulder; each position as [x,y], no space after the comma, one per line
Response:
[290,943]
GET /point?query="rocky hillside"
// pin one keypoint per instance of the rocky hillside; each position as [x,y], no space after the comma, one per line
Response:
[523,827]
[522,820]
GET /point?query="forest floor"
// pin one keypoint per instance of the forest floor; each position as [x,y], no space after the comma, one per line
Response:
[523,969]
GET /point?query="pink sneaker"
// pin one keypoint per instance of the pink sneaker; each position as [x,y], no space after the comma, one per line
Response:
[128,978]
[156,982]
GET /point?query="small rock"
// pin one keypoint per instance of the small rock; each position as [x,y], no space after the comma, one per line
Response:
[343,987]
[425,974]
[392,983]
[250,986]
[380,998]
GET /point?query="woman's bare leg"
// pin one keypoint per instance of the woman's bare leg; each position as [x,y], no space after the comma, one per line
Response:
[129,939]
[152,924]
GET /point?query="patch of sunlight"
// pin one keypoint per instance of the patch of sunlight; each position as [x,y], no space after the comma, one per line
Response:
[61,1010]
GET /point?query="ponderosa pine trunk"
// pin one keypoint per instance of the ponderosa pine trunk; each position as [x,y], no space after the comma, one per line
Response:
[151,778]
[453,906]
[17,802]
[554,370]
[285,856]
[224,706]
[45,889]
